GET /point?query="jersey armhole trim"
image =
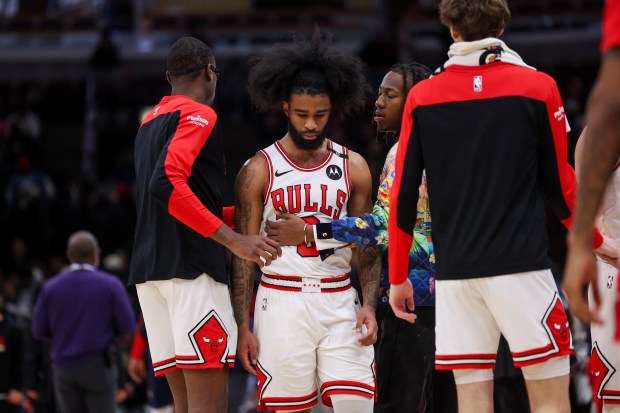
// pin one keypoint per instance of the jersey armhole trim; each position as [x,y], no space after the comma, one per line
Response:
[269,183]
[316,167]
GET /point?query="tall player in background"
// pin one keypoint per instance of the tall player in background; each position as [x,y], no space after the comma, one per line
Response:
[601,151]
[605,360]
[178,262]
[493,150]
[308,320]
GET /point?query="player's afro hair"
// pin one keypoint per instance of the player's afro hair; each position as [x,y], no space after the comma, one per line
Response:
[307,67]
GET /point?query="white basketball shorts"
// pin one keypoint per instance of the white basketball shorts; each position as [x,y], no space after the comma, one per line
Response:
[308,343]
[524,307]
[605,359]
[189,323]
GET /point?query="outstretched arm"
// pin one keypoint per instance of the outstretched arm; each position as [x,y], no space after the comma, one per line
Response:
[369,259]
[169,186]
[362,231]
[367,229]
[248,214]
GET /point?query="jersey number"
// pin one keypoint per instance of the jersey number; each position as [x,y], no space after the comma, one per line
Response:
[308,250]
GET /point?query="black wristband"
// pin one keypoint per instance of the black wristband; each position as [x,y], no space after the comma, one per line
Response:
[324,230]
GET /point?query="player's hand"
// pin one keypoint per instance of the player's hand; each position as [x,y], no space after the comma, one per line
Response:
[401,300]
[366,317]
[247,349]
[255,248]
[121,395]
[288,230]
[136,368]
[580,272]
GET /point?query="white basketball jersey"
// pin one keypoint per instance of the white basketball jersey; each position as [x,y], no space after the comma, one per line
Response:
[317,194]
[610,210]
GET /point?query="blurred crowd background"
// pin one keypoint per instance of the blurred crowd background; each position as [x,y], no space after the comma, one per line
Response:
[76,77]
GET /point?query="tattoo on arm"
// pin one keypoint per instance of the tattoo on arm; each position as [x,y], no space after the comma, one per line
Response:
[242,270]
[242,288]
[369,262]
[369,258]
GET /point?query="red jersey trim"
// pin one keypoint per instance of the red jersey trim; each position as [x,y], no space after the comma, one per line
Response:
[532,352]
[611,397]
[543,358]
[489,356]
[163,362]
[345,168]
[289,403]
[279,287]
[542,354]
[347,383]
[202,366]
[187,358]
[193,362]
[284,277]
[165,366]
[464,366]
[298,289]
[335,279]
[465,361]
[320,165]
[357,388]
[297,284]
[163,372]
[269,182]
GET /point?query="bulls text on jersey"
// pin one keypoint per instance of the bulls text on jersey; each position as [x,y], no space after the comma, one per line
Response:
[294,199]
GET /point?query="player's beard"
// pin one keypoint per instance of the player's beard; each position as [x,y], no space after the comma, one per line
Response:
[306,144]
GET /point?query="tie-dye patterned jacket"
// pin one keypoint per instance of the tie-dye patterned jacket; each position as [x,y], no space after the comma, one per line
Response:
[371,229]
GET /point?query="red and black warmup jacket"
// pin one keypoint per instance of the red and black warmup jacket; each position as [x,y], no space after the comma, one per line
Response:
[492,139]
[611,26]
[179,165]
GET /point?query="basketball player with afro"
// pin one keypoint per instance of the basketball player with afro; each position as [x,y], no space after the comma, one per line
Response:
[315,339]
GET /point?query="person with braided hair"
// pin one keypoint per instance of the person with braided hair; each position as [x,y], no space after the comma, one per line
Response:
[315,338]
[406,379]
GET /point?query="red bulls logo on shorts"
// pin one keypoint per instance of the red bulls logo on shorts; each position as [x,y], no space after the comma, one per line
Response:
[601,371]
[212,340]
[263,380]
[557,325]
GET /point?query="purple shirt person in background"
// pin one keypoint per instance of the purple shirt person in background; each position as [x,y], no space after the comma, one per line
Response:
[81,312]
